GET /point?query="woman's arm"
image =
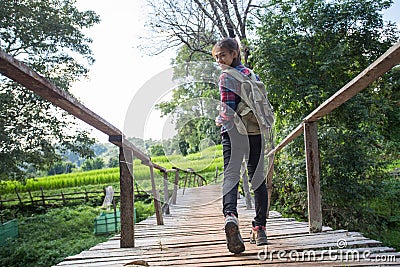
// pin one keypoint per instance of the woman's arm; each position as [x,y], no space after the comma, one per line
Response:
[229,92]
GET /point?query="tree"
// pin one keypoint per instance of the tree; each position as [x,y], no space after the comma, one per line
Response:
[93,164]
[193,106]
[197,24]
[62,167]
[306,51]
[194,27]
[157,150]
[113,162]
[47,36]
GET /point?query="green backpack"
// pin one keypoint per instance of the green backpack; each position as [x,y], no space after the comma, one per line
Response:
[254,114]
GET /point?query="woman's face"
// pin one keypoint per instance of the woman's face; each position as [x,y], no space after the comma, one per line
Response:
[223,56]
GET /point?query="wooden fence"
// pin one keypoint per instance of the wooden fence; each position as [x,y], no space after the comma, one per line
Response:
[43,199]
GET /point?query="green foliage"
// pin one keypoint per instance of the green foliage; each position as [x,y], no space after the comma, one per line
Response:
[390,90]
[203,162]
[47,36]
[194,112]
[62,167]
[143,210]
[46,239]
[93,164]
[386,206]
[157,150]
[306,51]
[113,162]
[186,54]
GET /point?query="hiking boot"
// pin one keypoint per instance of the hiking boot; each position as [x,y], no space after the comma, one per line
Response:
[258,236]
[234,240]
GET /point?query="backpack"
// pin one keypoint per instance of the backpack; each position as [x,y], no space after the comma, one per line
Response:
[254,113]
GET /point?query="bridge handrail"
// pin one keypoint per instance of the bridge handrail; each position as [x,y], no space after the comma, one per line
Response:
[24,75]
[379,67]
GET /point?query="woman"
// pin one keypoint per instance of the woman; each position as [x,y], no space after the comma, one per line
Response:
[237,146]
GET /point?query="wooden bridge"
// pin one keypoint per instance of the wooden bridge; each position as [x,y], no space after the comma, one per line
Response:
[191,234]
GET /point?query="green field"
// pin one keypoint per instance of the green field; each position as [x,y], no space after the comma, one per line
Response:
[204,163]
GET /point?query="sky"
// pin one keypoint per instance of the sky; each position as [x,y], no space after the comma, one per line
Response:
[121,69]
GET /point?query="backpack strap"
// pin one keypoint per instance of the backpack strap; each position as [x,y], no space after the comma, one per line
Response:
[253,76]
[239,76]
[236,74]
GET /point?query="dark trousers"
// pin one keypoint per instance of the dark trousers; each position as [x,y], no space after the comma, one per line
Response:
[236,146]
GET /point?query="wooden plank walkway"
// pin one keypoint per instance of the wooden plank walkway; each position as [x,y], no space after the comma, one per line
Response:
[193,236]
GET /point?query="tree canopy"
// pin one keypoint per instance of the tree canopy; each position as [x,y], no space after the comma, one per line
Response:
[47,36]
[305,52]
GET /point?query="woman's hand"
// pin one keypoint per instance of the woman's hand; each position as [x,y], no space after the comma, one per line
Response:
[218,122]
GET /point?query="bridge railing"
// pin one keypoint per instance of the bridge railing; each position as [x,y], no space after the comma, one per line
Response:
[308,127]
[22,74]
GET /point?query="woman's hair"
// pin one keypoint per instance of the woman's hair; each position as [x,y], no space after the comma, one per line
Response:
[230,44]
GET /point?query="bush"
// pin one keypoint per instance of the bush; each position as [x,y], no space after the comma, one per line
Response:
[46,239]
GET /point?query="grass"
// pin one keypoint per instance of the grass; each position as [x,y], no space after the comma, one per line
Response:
[62,181]
[46,237]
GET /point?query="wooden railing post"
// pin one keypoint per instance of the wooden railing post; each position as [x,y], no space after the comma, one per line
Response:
[166,194]
[175,193]
[269,182]
[246,187]
[156,197]
[313,179]
[42,195]
[184,185]
[127,203]
[190,177]
[31,197]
